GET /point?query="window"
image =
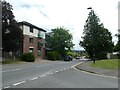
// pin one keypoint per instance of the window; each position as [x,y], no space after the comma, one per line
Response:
[31,29]
[31,40]
[31,50]
[39,52]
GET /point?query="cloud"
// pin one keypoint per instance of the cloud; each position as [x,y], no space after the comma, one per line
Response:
[45,15]
[25,6]
[71,14]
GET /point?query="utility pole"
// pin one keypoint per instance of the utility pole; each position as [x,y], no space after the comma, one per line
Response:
[93,57]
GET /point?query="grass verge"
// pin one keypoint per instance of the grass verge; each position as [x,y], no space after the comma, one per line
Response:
[107,64]
[11,62]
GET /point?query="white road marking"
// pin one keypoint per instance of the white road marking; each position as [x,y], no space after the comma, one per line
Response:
[12,70]
[43,75]
[61,70]
[76,64]
[56,71]
[46,65]
[50,73]
[64,69]
[19,83]
[41,65]
[34,78]
[6,87]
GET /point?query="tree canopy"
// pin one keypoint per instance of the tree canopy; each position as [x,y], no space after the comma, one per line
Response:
[60,40]
[11,33]
[117,46]
[97,40]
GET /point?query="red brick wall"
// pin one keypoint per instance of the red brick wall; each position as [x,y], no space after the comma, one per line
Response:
[27,44]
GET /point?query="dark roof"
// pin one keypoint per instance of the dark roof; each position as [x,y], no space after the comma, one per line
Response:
[29,24]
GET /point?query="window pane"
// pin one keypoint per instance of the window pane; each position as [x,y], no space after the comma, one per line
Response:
[31,50]
[39,52]
[31,40]
[31,29]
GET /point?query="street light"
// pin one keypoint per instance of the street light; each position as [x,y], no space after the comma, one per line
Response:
[93,57]
[89,8]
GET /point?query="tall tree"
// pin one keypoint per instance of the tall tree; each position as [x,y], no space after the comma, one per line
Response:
[60,40]
[11,33]
[97,40]
[117,46]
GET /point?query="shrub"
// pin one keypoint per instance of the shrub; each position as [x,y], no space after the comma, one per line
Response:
[28,57]
[72,54]
[53,55]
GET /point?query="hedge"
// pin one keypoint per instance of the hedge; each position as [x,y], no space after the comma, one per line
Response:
[53,55]
[28,57]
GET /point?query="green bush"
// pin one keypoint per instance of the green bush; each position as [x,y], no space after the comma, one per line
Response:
[72,54]
[53,55]
[28,57]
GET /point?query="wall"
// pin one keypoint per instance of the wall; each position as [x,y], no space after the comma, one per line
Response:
[27,44]
[34,35]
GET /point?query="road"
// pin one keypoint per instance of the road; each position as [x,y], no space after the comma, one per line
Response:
[57,74]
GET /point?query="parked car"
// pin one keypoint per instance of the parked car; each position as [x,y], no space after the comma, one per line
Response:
[77,57]
[68,58]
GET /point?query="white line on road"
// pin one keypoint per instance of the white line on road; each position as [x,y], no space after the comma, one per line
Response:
[34,78]
[61,70]
[19,83]
[46,65]
[43,75]
[41,65]
[56,71]
[6,87]
[64,69]
[12,70]
[76,64]
[50,73]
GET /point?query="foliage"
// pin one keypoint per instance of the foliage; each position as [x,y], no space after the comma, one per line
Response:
[117,46]
[61,39]
[97,40]
[74,55]
[11,33]
[11,61]
[28,57]
[53,55]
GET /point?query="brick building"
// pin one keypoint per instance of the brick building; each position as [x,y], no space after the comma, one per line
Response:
[34,39]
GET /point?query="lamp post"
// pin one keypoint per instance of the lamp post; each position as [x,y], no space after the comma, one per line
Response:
[93,57]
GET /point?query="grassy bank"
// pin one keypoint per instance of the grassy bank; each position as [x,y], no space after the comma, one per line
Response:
[107,64]
[11,61]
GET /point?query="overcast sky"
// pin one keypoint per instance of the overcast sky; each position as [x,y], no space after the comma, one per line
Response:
[71,14]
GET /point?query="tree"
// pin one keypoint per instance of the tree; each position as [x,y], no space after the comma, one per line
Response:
[97,40]
[11,33]
[117,46]
[60,40]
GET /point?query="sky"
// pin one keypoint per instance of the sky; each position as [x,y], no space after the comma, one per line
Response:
[72,14]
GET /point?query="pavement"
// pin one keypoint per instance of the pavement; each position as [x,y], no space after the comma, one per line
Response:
[85,66]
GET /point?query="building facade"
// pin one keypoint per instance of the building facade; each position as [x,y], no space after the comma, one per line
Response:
[34,39]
